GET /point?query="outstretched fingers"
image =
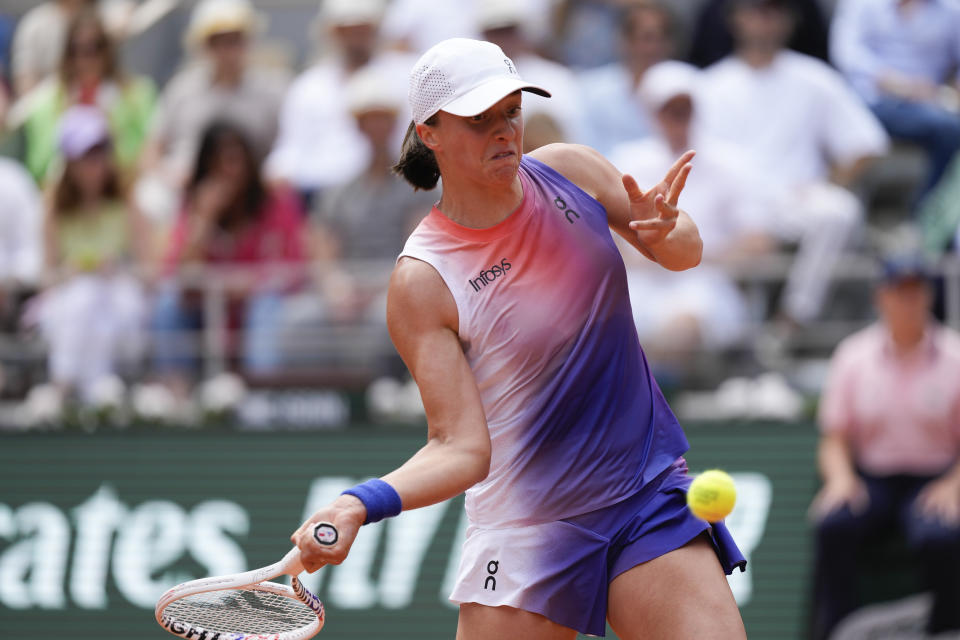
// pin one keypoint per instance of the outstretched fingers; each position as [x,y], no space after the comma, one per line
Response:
[678,166]
[679,182]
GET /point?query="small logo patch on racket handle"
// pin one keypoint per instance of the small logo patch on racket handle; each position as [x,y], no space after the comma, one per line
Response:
[326,534]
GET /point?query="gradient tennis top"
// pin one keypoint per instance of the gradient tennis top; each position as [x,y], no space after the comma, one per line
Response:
[576,420]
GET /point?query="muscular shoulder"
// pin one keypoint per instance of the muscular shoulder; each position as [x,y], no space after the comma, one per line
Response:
[582,165]
[418,299]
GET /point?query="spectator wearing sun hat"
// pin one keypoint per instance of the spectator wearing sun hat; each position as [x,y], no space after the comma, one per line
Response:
[360,227]
[222,84]
[319,145]
[370,216]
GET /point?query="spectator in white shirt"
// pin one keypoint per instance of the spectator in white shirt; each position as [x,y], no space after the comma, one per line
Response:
[21,224]
[903,57]
[21,243]
[319,145]
[610,92]
[677,312]
[808,132]
[502,22]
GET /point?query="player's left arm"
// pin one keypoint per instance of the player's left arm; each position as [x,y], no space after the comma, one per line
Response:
[649,220]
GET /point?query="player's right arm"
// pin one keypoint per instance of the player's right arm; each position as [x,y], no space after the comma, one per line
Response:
[423,322]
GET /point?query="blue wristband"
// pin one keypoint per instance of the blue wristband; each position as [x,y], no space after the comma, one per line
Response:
[380,499]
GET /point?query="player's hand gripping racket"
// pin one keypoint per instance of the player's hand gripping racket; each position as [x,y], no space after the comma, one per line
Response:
[244,606]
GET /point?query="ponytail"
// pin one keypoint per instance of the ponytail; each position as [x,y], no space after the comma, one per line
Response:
[417,164]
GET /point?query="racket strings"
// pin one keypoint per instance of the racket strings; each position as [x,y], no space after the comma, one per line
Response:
[241,611]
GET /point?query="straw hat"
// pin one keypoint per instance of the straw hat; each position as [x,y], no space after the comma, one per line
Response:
[211,17]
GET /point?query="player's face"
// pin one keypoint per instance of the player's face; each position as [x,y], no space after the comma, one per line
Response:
[485,147]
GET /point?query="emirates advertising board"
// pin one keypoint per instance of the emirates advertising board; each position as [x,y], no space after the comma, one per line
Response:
[93,528]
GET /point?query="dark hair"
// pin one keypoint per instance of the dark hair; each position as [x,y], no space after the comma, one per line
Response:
[88,17]
[67,193]
[417,164]
[255,192]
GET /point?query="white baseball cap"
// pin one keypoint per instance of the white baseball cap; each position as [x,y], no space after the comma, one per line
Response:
[665,81]
[463,77]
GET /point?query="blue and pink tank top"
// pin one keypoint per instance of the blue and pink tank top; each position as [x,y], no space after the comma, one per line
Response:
[576,420]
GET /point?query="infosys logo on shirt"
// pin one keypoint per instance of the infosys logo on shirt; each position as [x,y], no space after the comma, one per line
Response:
[487,276]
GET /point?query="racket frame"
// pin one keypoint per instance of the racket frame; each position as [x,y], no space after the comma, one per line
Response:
[253,580]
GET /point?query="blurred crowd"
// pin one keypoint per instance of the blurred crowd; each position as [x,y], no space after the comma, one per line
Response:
[257,198]
[243,217]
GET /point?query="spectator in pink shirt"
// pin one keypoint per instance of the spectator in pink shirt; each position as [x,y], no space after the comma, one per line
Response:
[890,450]
[251,235]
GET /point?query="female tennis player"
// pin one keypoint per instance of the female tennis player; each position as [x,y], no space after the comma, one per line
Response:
[509,306]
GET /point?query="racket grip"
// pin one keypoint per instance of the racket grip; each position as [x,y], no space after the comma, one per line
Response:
[326,534]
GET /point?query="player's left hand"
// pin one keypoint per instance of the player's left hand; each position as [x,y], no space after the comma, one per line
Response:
[940,500]
[654,212]
[347,514]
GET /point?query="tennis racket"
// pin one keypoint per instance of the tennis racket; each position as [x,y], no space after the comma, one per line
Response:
[245,606]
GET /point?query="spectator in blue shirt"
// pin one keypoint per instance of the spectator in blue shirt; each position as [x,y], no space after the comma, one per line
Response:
[901,56]
[609,93]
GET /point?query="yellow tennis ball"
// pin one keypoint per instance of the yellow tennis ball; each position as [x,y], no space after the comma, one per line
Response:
[712,495]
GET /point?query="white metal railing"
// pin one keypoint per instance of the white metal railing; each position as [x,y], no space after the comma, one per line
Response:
[212,344]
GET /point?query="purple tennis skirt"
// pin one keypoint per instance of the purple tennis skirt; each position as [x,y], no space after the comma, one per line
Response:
[562,569]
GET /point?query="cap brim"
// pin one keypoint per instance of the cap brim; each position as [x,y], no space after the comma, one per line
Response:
[485,95]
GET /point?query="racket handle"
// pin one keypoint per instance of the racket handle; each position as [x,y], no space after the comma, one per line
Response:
[326,534]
